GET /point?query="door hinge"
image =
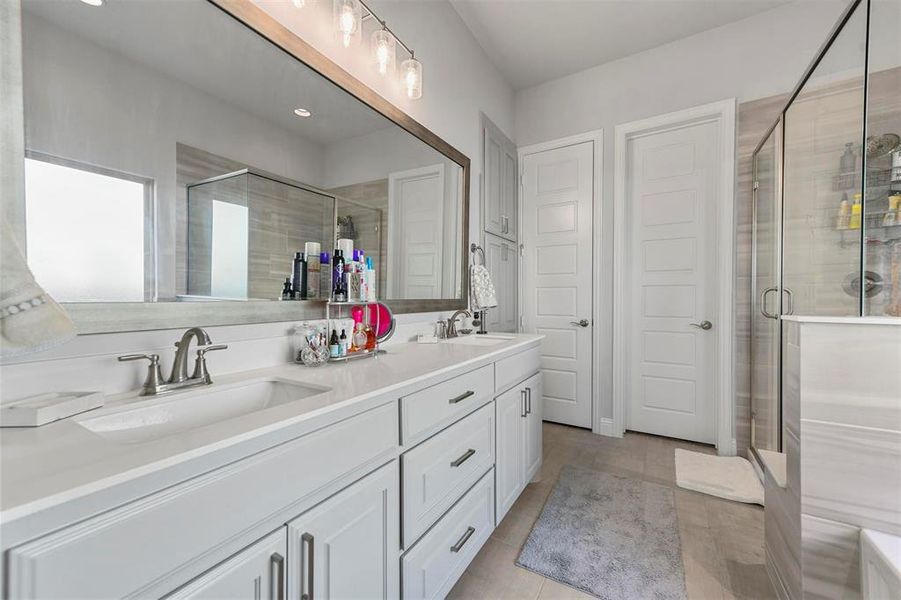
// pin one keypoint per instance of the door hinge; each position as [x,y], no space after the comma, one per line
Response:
[522,250]
[756,185]
[521,323]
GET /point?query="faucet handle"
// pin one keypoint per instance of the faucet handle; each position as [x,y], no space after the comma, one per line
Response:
[154,375]
[200,370]
[201,350]
[153,358]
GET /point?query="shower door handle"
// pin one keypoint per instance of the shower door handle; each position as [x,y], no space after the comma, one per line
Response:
[790,302]
[763,298]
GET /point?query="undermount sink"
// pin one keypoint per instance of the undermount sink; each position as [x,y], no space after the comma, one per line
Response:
[480,340]
[155,418]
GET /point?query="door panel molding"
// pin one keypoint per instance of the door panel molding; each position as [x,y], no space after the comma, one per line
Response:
[722,112]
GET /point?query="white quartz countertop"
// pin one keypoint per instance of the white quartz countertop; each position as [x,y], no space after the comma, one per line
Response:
[47,466]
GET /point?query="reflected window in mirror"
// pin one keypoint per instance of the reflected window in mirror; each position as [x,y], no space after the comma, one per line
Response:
[88,231]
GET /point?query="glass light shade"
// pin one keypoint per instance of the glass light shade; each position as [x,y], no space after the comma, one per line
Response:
[347,16]
[383,47]
[411,72]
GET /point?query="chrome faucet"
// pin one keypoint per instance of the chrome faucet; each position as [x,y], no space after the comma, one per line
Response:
[451,331]
[154,385]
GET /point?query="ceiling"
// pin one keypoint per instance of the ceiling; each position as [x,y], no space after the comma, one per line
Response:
[200,46]
[533,41]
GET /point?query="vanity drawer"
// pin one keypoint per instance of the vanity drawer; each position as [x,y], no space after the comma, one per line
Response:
[426,411]
[165,539]
[433,565]
[513,369]
[437,472]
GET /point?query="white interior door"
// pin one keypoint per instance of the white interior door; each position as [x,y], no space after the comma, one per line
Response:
[557,190]
[670,281]
[415,243]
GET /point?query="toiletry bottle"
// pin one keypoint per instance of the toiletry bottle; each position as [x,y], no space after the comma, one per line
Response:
[325,274]
[311,249]
[338,290]
[334,345]
[287,290]
[848,160]
[345,343]
[304,282]
[295,279]
[844,213]
[891,216]
[360,338]
[856,211]
[370,280]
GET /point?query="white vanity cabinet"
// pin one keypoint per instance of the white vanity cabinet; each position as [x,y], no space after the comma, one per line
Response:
[519,446]
[347,546]
[258,572]
[391,500]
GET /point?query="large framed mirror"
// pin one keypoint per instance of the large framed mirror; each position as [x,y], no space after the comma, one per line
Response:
[179,156]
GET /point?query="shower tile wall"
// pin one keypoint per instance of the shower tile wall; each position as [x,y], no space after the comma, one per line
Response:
[371,236]
[282,218]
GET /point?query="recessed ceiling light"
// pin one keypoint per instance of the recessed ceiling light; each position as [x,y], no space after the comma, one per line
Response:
[93,2]
[302,112]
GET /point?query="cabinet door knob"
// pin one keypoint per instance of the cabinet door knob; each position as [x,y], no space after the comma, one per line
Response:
[581,323]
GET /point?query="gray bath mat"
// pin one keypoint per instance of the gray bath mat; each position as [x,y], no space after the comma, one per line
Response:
[612,537]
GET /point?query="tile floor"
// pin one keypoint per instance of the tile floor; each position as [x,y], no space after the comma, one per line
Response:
[722,541]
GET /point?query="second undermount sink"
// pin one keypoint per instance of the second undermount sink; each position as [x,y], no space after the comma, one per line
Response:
[154,418]
[480,340]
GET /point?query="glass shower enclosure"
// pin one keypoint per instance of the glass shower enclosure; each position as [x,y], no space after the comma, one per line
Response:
[826,237]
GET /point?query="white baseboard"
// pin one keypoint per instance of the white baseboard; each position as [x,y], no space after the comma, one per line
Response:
[605,427]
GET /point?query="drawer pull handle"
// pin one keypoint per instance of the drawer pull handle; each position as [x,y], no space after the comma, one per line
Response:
[462,397]
[522,403]
[464,458]
[306,541]
[528,401]
[462,541]
[277,591]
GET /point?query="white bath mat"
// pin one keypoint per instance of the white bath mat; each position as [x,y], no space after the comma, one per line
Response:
[729,477]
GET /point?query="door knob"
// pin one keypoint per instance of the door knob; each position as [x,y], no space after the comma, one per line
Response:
[582,323]
[705,325]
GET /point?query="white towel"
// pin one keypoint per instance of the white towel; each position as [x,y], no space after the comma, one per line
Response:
[30,320]
[481,289]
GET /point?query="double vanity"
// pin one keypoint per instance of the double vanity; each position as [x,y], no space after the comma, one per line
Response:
[380,479]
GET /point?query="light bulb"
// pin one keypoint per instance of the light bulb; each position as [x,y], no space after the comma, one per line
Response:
[412,78]
[299,3]
[347,20]
[382,45]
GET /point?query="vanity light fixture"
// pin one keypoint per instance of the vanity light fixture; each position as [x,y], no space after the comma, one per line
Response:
[347,16]
[302,112]
[411,71]
[93,2]
[384,50]
[382,44]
